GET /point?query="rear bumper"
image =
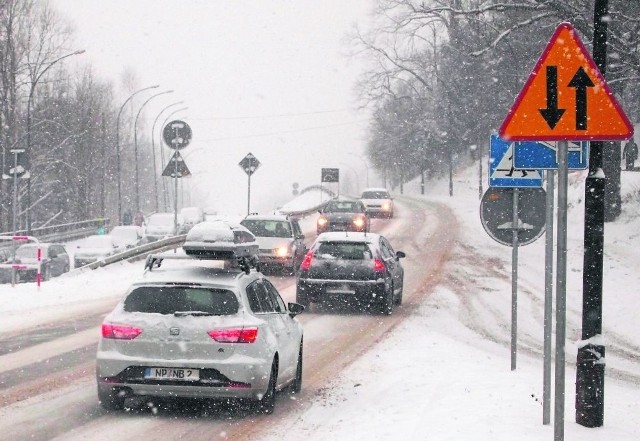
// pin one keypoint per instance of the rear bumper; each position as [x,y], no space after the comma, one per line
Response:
[235,377]
[315,289]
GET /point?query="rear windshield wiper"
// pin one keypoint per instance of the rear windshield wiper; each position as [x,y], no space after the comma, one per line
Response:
[195,313]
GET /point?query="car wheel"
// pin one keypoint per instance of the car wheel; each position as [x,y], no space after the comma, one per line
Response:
[302,296]
[111,399]
[386,307]
[268,402]
[296,387]
[46,275]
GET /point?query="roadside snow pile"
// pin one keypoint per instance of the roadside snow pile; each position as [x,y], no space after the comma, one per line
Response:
[307,201]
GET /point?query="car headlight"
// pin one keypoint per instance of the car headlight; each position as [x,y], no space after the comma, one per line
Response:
[386,206]
[282,251]
[358,222]
[322,221]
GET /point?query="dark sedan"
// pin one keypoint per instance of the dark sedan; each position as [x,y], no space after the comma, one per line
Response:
[352,265]
[343,215]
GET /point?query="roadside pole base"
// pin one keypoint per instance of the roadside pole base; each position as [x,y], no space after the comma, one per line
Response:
[590,386]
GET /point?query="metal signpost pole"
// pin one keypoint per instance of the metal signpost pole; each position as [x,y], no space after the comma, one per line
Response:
[175,199]
[589,365]
[514,279]
[248,193]
[561,292]
[548,299]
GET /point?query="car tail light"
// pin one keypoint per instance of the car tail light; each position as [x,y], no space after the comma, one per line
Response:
[120,332]
[322,221]
[306,262]
[378,266]
[234,335]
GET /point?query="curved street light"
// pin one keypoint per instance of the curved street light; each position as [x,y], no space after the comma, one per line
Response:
[164,183]
[354,172]
[118,146]
[153,148]
[135,143]
[34,82]
[364,162]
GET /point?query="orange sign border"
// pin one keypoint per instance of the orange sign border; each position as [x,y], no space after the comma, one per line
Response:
[533,75]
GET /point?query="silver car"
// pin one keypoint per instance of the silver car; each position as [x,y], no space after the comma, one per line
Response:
[280,239]
[378,202]
[200,332]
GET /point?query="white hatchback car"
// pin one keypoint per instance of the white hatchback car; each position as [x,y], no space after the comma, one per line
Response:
[200,332]
[378,202]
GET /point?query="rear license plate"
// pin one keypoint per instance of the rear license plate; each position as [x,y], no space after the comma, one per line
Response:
[343,288]
[160,373]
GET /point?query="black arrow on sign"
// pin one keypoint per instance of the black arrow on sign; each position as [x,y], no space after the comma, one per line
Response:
[581,81]
[552,114]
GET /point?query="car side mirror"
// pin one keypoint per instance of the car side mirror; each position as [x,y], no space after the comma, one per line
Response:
[300,236]
[294,309]
[53,254]
[400,254]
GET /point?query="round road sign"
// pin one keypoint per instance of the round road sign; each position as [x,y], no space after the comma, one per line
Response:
[177,134]
[496,214]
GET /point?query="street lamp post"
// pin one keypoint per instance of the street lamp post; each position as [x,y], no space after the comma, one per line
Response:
[364,162]
[34,82]
[153,148]
[118,146]
[135,143]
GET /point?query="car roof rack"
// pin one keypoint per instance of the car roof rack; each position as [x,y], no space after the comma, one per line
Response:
[245,264]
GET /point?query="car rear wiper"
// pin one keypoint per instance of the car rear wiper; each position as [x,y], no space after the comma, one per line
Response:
[194,313]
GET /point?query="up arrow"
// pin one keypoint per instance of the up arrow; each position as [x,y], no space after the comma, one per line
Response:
[552,114]
[581,81]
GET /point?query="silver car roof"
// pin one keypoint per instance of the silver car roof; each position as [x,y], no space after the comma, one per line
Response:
[348,237]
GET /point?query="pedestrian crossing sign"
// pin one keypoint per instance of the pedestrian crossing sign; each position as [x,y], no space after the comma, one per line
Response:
[502,171]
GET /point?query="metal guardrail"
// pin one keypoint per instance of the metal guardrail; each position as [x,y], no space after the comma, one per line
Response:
[65,232]
[135,254]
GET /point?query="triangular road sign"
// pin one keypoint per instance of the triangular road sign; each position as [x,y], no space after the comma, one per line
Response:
[565,98]
[176,161]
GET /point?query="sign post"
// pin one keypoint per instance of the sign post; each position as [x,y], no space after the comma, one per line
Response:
[177,135]
[249,164]
[566,98]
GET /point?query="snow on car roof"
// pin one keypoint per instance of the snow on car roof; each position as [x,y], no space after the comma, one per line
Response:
[336,236]
[277,217]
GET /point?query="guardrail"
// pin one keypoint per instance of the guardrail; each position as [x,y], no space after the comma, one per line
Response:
[135,254]
[65,232]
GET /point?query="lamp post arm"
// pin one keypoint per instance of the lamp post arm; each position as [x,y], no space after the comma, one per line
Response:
[135,143]
[118,146]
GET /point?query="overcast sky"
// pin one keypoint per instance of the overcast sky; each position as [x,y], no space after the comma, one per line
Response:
[270,77]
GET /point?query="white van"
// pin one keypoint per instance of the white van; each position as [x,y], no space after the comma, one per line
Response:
[192,216]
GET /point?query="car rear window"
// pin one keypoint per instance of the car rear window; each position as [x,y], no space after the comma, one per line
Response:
[171,299]
[343,250]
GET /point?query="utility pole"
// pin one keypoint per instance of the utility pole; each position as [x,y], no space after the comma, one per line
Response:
[590,363]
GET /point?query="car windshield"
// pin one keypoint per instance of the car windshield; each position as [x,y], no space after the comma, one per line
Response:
[96,242]
[343,207]
[343,251]
[375,195]
[268,228]
[168,300]
[161,219]
[28,252]
[126,234]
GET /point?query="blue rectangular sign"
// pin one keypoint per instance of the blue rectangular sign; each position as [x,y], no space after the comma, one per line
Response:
[502,172]
[544,155]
